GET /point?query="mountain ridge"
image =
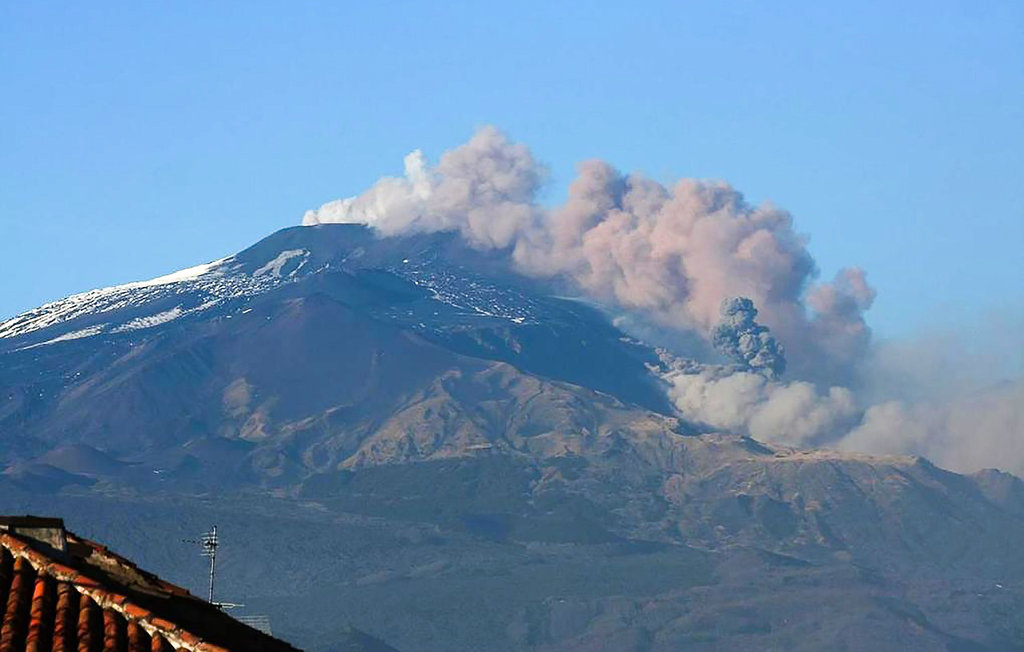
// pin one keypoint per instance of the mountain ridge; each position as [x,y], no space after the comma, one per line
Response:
[484,427]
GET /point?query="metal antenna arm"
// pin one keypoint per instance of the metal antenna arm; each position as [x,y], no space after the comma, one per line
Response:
[208,543]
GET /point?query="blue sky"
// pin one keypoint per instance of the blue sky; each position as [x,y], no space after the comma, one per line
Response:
[140,138]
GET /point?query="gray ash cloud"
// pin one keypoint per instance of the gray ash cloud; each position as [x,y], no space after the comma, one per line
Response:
[740,338]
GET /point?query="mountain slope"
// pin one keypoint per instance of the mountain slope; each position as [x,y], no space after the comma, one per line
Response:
[429,428]
[431,285]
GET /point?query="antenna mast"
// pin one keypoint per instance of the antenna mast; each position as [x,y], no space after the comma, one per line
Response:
[208,544]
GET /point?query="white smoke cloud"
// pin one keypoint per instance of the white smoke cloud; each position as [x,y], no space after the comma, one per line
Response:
[980,430]
[794,413]
[672,254]
[484,189]
[958,430]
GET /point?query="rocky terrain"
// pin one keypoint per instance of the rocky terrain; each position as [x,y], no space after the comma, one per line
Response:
[402,436]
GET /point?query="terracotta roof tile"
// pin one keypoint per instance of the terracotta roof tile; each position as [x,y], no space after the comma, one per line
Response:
[113,630]
[86,632]
[138,640]
[64,618]
[135,612]
[63,593]
[42,607]
[12,635]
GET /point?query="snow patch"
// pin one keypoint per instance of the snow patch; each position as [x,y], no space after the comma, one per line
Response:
[111,298]
[175,277]
[274,267]
[150,321]
[73,335]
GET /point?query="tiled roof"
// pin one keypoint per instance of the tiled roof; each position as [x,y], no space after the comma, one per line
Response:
[64,593]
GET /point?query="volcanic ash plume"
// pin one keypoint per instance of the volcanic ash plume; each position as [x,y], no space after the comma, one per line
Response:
[794,413]
[983,429]
[739,337]
[669,254]
[696,260]
[484,189]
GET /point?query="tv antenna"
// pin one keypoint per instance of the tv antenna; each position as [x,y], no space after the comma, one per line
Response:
[208,543]
[208,546]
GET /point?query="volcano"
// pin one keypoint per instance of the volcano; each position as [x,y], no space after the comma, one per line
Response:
[404,435]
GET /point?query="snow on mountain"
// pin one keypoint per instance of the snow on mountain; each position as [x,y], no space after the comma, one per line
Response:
[212,279]
[162,300]
[72,335]
[274,267]
[132,306]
